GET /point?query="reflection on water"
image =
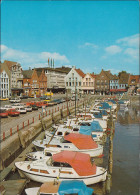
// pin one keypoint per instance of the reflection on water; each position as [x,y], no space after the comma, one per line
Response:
[125,178]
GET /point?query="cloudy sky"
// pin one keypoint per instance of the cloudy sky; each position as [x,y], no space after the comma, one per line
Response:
[88,34]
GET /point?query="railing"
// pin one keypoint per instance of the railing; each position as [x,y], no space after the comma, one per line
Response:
[26,123]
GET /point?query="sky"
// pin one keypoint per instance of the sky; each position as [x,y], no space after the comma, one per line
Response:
[91,35]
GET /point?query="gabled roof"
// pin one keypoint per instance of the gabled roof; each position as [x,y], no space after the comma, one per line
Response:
[80,162]
[3,67]
[9,64]
[108,73]
[124,78]
[81,140]
[80,72]
[134,77]
[93,75]
[27,74]
[38,72]
[114,77]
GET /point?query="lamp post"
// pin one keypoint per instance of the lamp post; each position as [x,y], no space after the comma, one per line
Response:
[75,95]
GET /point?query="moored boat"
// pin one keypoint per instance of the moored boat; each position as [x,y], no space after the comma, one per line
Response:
[66,165]
[73,142]
[61,188]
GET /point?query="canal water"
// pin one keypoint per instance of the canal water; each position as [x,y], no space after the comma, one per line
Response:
[125,176]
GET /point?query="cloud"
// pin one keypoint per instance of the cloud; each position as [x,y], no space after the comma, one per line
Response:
[89,45]
[131,41]
[133,53]
[3,48]
[113,49]
[32,59]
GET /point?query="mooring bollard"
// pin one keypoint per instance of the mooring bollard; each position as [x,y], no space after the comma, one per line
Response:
[10,131]
[3,136]
[46,113]
[108,183]
[17,128]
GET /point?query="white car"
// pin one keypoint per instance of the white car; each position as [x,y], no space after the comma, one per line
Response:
[15,100]
[28,108]
[22,110]
[7,107]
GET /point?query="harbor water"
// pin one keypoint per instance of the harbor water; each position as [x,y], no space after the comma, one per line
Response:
[125,177]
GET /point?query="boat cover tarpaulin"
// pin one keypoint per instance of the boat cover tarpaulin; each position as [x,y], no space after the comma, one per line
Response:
[81,141]
[113,101]
[80,162]
[87,130]
[105,105]
[95,126]
[104,112]
[74,187]
[97,115]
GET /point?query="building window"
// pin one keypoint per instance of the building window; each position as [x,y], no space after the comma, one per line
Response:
[120,85]
[116,87]
[66,83]
[69,83]
[110,87]
[83,83]
[89,79]
[79,83]
[86,79]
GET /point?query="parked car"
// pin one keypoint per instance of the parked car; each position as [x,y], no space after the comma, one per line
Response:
[15,100]
[13,112]
[24,97]
[34,107]
[22,110]
[3,113]
[4,99]
[7,107]
[28,108]
[45,98]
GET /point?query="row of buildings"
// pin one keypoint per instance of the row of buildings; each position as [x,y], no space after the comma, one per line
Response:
[15,81]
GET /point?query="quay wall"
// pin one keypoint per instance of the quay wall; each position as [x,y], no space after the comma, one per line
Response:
[22,138]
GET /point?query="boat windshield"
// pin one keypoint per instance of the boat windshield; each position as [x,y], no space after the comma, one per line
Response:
[62,140]
[49,161]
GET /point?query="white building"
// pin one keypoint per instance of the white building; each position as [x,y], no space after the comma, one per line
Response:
[16,77]
[88,83]
[55,78]
[4,81]
[73,80]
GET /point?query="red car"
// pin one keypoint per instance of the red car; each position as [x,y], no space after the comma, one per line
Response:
[13,112]
[3,113]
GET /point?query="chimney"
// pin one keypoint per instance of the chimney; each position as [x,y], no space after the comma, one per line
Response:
[48,62]
[53,63]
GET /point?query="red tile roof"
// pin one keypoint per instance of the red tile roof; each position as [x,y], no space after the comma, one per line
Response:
[134,77]
[80,72]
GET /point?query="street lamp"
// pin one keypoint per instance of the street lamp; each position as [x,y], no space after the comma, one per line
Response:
[75,94]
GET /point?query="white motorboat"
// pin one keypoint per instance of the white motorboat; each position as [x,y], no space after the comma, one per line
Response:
[66,165]
[95,130]
[73,142]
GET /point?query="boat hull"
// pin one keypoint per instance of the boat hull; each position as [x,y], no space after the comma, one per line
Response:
[88,180]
